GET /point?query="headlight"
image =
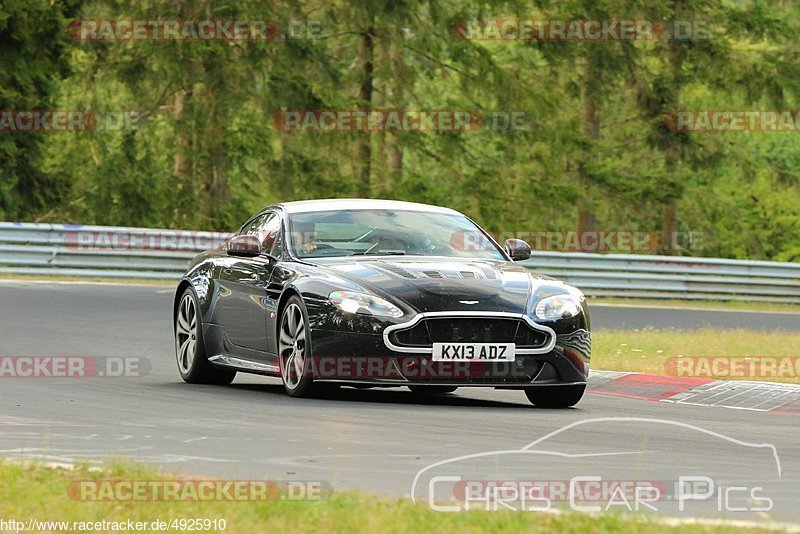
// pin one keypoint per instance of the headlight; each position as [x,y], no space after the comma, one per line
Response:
[364,303]
[558,307]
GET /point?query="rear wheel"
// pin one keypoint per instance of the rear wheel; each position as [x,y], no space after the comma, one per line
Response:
[555,396]
[294,349]
[190,351]
[432,390]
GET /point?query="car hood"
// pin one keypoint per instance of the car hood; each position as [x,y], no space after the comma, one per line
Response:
[445,284]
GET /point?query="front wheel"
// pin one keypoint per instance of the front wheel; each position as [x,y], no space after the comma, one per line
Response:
[190,351]
[294,349]
[555,396]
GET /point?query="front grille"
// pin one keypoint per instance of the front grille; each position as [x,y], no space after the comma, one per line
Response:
[469,330]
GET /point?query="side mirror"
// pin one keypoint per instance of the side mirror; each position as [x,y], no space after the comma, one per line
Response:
[518,249]
[246,246]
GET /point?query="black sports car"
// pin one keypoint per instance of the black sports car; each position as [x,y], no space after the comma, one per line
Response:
[375,293]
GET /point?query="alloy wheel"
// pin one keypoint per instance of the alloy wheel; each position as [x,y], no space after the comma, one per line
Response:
[186,334]
[292,346]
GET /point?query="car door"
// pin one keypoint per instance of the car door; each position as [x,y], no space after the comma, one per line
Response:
[244,281]
[275,242]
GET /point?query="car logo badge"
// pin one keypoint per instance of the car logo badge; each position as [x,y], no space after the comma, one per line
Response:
[468,301]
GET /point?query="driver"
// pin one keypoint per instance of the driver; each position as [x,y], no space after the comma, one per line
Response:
[307,239]
[310,246]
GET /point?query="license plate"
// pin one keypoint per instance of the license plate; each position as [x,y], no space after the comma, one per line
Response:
[472,352]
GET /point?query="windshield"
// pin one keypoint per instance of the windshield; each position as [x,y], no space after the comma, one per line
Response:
[388,232]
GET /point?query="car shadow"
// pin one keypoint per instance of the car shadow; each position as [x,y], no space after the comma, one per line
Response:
[387,396]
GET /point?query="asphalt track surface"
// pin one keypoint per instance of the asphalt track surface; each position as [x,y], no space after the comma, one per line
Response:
[370,440]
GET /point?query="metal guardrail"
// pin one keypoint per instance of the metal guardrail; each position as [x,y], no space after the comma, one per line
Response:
[145,253]
[672,277]
[100,251]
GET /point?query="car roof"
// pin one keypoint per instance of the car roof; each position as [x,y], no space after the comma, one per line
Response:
[338,204]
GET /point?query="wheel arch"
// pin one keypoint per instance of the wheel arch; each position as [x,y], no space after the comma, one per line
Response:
[285,296]
[177,300]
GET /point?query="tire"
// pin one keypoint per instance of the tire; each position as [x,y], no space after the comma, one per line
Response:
[432,390]
[190,350]
[555,396]
[295,350]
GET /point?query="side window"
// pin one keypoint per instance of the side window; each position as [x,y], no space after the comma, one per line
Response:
[270,234]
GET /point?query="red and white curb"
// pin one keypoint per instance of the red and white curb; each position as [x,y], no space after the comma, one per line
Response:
[735,394]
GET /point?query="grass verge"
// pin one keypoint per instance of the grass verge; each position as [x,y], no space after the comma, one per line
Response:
[33,491]
[651,351]
[724,305]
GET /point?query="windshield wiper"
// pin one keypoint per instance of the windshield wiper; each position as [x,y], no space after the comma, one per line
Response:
[387,253]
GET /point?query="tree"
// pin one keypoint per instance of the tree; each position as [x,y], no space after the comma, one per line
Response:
[33,41]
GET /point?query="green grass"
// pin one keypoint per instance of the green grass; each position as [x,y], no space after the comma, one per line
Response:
[647,350]
[726,305]
[34,491]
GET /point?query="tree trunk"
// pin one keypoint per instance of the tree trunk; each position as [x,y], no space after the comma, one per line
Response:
[587,218]
[672,155]
[214,165]
[179,162]
[394,150]
[381,100]
[366,53]
[669,227]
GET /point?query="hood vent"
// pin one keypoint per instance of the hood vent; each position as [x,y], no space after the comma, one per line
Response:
[490,275]
[433,274]
[399,271]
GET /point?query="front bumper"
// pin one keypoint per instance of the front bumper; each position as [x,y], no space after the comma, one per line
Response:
[347,357]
